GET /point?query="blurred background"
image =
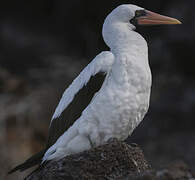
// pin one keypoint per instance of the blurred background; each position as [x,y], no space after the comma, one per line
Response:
[44,44]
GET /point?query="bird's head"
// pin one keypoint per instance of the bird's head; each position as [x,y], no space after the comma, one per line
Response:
[127,17]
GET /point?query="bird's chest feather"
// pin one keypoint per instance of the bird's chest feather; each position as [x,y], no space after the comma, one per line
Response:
[129,80]
[126,97]
[122,101]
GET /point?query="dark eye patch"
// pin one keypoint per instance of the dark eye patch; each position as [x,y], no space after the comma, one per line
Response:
[140,13]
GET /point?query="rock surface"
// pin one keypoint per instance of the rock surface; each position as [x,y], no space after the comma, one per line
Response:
[114,160]
[177,170]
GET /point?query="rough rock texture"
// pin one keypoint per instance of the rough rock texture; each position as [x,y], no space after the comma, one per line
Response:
[113,160]
[174,171]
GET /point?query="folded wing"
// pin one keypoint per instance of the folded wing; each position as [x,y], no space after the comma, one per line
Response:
[74,100]
[78,95]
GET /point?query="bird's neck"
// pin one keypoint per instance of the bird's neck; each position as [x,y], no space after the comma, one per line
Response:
[130,43]
[129,46]
[121,38]
[131,56]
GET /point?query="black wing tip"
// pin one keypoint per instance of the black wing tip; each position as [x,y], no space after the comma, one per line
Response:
[11,171]
[17,168]
[32,161]
[21,167]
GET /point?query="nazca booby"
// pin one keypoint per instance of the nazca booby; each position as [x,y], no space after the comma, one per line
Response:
[110,97]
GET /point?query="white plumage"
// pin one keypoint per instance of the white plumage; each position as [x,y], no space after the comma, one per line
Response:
[102,63]
[110,96]
[121,103]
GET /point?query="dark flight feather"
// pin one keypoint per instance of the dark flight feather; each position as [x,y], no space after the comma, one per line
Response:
[75,108]
[67,118]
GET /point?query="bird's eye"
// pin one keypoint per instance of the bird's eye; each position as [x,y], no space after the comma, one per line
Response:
[140,13]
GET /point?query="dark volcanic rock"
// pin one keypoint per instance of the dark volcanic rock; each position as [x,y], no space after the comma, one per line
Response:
[114,160]
[174,171]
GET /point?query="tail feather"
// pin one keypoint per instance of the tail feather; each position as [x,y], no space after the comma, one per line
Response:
[32,161]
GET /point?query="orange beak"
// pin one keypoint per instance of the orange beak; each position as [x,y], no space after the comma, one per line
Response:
[156,19]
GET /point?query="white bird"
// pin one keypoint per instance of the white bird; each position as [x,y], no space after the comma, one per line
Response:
[110,97]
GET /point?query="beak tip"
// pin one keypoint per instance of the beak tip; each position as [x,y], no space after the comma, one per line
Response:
[178,22]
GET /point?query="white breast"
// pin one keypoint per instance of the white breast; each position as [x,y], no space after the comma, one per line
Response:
[121,103]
